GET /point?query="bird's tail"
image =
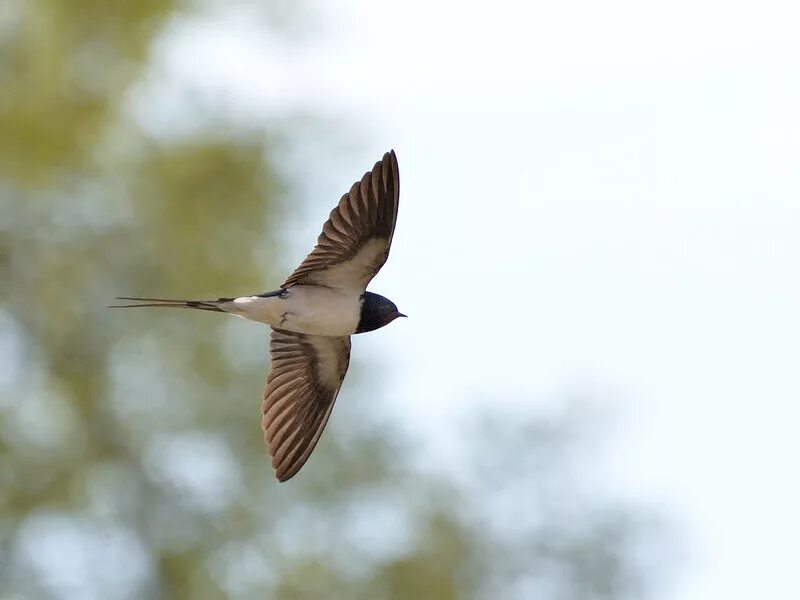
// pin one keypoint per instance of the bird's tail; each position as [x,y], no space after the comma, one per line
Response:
[212,305]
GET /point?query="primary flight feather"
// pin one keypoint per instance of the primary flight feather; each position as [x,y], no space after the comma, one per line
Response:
[314,313]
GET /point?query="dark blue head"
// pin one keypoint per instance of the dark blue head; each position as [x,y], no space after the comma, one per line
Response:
[376,311]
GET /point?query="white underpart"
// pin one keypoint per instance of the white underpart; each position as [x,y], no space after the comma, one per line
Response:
[310,309]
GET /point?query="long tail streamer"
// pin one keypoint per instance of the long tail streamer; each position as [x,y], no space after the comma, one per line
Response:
[167,303]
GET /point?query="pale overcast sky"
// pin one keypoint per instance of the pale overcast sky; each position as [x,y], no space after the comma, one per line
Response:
[611,192]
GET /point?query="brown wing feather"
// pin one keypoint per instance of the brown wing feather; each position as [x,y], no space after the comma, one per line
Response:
[306,372]
[355,240]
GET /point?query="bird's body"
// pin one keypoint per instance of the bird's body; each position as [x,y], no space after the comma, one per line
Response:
[315,312]
[311,309]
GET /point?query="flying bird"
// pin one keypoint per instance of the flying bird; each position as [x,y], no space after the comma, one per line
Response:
[314,313]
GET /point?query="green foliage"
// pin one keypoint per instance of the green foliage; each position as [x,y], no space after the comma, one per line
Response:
[65,65]
[131,458]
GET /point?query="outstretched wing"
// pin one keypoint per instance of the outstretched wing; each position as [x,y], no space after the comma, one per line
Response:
[355,240]
[306,372]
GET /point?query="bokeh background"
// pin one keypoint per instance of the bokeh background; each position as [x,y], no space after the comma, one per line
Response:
[596,395]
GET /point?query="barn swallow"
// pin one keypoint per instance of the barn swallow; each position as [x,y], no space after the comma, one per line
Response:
[314,313]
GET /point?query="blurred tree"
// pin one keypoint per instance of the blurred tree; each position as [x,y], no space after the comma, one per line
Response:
[131,459]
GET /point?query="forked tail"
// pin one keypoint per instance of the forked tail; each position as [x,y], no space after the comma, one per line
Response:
[213,305]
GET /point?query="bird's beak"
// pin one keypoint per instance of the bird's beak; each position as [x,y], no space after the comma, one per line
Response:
[401,315]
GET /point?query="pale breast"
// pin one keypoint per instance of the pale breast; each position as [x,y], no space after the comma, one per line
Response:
[309,309]
[317,310]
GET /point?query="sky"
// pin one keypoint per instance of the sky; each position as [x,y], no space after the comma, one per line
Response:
[595,196]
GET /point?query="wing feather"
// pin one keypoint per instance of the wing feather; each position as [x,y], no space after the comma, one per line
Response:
[355,240]
[306,372]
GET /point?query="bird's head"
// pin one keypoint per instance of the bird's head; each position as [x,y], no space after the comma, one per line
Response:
[376,311]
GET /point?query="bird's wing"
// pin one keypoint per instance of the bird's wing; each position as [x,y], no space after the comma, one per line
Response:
[306,372]
[355,240]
